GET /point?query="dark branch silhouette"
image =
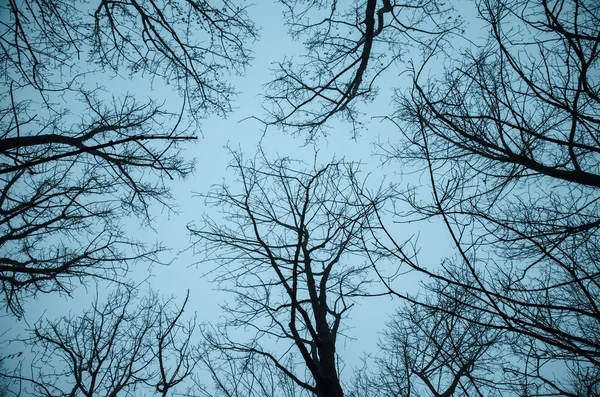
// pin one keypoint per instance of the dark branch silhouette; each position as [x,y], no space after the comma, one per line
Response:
[348,45]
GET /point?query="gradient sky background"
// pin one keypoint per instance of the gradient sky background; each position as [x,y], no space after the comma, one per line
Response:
[369,316]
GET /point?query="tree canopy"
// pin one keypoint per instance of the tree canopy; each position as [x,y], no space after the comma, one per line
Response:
[492,132]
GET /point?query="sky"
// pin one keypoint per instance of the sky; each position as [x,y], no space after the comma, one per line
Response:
[368,318]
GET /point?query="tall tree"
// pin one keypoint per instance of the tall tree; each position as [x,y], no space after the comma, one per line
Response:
[511,139]
[290,247]
[76,160]
[115,348]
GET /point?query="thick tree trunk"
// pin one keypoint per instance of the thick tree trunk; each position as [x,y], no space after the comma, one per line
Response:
[329,386]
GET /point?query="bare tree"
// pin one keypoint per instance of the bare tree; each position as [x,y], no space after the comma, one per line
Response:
[290,248]
[426,350]
[510,136]
[348,46]
[76,159]
[114,348]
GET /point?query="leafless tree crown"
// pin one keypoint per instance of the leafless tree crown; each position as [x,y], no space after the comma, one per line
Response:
[292,254]
[76,154]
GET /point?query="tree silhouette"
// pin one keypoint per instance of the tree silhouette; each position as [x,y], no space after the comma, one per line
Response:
[290,246]
[114,348]
[76,158]
[428,351]
[509,136]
